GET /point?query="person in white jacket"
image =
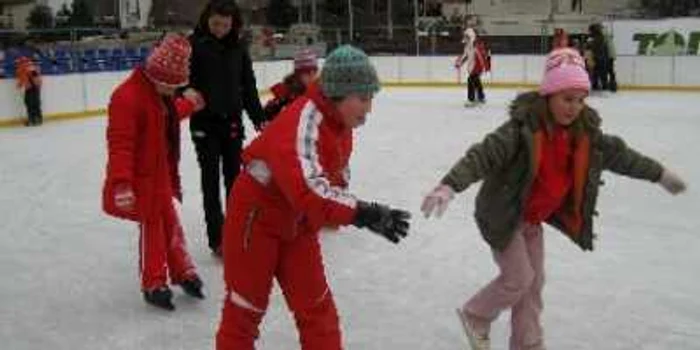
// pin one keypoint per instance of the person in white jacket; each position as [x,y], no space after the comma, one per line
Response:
[474,60]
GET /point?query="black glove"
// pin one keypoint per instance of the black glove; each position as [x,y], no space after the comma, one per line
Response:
[391,223]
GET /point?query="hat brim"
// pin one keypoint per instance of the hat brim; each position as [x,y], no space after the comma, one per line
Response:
[168,85]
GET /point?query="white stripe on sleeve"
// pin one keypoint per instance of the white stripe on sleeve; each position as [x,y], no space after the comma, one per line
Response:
[307,137]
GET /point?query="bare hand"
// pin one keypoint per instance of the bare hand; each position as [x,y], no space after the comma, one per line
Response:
[195,97]
[437,201]
[672,182]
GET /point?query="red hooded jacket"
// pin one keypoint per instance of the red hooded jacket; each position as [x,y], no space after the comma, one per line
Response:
[143,145]
[306,150]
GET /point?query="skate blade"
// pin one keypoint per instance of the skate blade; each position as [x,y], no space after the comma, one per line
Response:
[467,332]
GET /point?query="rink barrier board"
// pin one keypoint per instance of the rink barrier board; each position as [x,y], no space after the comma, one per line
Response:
[19,121]
[78,94]
[506,85]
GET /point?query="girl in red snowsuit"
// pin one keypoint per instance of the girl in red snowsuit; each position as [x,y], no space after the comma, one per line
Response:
[294,85]
[142,181]
[293,184]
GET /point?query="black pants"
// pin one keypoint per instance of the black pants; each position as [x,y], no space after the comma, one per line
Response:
[218,153]
[612,78]
[600,75]
[32,100]
[474,88]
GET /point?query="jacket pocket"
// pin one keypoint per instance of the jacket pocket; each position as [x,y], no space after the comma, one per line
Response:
[248,228]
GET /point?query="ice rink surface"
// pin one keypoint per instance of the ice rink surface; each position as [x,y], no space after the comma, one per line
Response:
[70,280]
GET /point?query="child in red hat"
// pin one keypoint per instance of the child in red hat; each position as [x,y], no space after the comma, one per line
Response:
[294,84]
[142,180]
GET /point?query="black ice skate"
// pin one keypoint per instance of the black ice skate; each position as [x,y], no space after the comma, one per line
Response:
[193,287]
[160,297]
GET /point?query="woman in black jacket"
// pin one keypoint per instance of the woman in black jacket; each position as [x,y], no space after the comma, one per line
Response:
[222,70]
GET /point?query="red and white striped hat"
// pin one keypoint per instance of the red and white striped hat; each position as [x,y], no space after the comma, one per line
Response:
[169,63]
[305,59]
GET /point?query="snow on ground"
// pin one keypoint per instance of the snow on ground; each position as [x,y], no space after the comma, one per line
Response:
[70,277]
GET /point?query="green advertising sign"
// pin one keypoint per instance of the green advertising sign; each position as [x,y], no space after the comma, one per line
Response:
[668,43]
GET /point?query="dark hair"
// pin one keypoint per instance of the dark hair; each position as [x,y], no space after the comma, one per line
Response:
[225,8]
[595,29]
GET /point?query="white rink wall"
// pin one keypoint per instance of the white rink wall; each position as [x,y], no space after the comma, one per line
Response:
[78,93]
[62,94]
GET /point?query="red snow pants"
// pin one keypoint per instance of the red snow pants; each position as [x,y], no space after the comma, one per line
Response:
[261,243]
[162,248]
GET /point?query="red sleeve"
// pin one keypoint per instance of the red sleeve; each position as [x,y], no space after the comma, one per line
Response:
[121,143]
[296,170]
[279,90]
[183,107]
[121,137]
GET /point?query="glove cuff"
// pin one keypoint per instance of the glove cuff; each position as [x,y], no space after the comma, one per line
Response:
[364,215]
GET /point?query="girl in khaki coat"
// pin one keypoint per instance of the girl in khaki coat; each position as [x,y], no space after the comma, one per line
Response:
[541,166]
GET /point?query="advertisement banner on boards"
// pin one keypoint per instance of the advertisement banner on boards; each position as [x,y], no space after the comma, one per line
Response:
[665,37]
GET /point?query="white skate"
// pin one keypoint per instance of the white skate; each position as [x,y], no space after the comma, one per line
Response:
[476,341]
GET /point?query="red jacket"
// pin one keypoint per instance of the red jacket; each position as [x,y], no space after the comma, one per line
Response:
[482,58]
[143,145]
[306,150]
[283,94]
[554,178]
[27,73]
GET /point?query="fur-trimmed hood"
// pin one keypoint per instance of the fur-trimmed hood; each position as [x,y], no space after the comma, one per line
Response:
[528,108]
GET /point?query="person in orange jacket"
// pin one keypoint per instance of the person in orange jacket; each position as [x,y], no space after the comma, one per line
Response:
[29,81]
[294,85]
[142,181]
[293,184]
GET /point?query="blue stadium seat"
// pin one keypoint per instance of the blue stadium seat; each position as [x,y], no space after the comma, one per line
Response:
[47,66]
[144,51]
[62,53]
[132,58]
[131,52]
[118,58]
[104,60]
[65,65]
[88,61]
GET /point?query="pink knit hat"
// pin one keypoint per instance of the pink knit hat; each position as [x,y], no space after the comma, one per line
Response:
[305,60]
[169,62]
[565,69]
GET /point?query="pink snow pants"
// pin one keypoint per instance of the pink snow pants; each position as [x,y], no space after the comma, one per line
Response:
[518,287]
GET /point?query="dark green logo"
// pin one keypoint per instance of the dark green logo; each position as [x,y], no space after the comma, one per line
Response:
[668,43]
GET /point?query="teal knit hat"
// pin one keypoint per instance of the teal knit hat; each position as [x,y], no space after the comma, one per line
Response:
[347,70]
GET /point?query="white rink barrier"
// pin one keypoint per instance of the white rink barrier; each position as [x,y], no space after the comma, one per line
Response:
[78,95]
